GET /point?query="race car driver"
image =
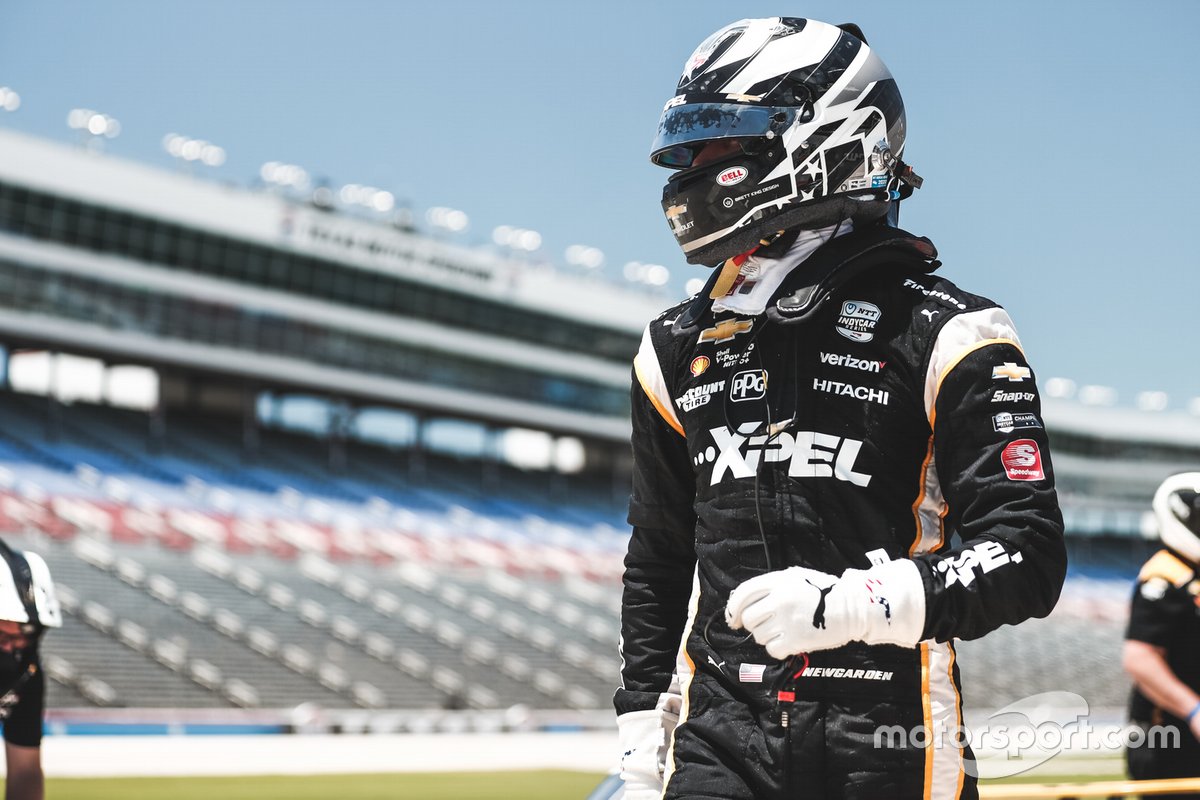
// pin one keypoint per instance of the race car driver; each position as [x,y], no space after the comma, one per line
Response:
[1162,645]
[28,606]
[839,458]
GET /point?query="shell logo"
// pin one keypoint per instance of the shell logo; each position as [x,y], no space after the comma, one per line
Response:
[732,176]
[699,365]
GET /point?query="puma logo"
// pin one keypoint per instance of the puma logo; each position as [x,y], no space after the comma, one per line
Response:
[819,614]
[881,600]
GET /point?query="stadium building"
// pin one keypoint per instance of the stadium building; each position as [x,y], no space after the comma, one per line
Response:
[279,454]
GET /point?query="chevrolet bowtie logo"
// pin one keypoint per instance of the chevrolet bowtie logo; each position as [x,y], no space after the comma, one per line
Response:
[725,330]
[1013,372]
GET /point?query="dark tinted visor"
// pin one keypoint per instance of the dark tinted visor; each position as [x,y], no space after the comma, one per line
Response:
[684,128]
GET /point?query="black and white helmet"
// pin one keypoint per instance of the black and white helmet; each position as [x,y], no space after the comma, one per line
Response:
[819,128]
[27,593]
[1177,510]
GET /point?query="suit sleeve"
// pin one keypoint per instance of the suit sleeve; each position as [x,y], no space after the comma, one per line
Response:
[661,557]
[1000,558]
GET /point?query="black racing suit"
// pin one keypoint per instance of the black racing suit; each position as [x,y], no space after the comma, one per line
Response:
[23,703]
[1165,612]
[873,411]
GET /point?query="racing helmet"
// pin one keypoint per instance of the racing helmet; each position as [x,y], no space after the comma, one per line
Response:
[1177,509]
[27,593]
[814,126]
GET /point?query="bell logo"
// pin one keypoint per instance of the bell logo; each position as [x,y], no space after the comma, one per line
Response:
[1023,461]
[733,175]
[810,454]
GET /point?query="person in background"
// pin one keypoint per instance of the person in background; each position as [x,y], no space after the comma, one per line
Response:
[1162,645]
[28,606]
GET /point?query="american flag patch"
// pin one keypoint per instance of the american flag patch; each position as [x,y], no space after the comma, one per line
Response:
[751,673]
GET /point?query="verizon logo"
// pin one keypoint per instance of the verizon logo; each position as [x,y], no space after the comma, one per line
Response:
[851,362]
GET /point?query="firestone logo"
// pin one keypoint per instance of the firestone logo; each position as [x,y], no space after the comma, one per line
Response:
[810,454]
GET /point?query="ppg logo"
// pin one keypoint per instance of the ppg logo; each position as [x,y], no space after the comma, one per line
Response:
[750,384]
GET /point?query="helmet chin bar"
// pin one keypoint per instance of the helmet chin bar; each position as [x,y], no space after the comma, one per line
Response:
[872,206]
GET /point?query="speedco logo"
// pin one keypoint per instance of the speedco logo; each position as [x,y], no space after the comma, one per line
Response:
[810,454]
[1023,461]
[732,176]
[850,362]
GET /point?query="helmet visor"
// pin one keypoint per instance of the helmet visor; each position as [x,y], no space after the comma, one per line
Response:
[683,129]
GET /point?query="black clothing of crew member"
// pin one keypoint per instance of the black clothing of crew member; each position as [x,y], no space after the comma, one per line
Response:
[22,708]
[1165,612]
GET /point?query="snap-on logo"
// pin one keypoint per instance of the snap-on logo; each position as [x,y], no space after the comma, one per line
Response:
[731,176]
[1023,461]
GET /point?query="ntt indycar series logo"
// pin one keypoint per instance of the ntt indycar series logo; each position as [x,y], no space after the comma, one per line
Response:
[857,320]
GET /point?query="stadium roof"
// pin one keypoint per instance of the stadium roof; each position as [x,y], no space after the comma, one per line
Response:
[279,221]
[1123,424]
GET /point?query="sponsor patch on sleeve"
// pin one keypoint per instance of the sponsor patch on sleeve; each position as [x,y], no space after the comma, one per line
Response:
[1014,373]
[1007,422]
[1023,461]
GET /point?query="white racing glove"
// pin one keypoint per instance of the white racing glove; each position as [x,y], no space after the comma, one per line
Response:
[801,610]
[645,737]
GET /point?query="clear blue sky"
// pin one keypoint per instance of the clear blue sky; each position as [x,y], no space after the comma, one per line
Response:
[1058,139]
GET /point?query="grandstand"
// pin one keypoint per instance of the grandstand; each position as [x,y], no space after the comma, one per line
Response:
[279,454]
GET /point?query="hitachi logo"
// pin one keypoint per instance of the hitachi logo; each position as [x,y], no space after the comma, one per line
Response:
[811,454]
[858,392]
[850,362]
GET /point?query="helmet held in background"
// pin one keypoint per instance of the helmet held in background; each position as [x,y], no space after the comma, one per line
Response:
[1177,509]
[27,593]
[776,124]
